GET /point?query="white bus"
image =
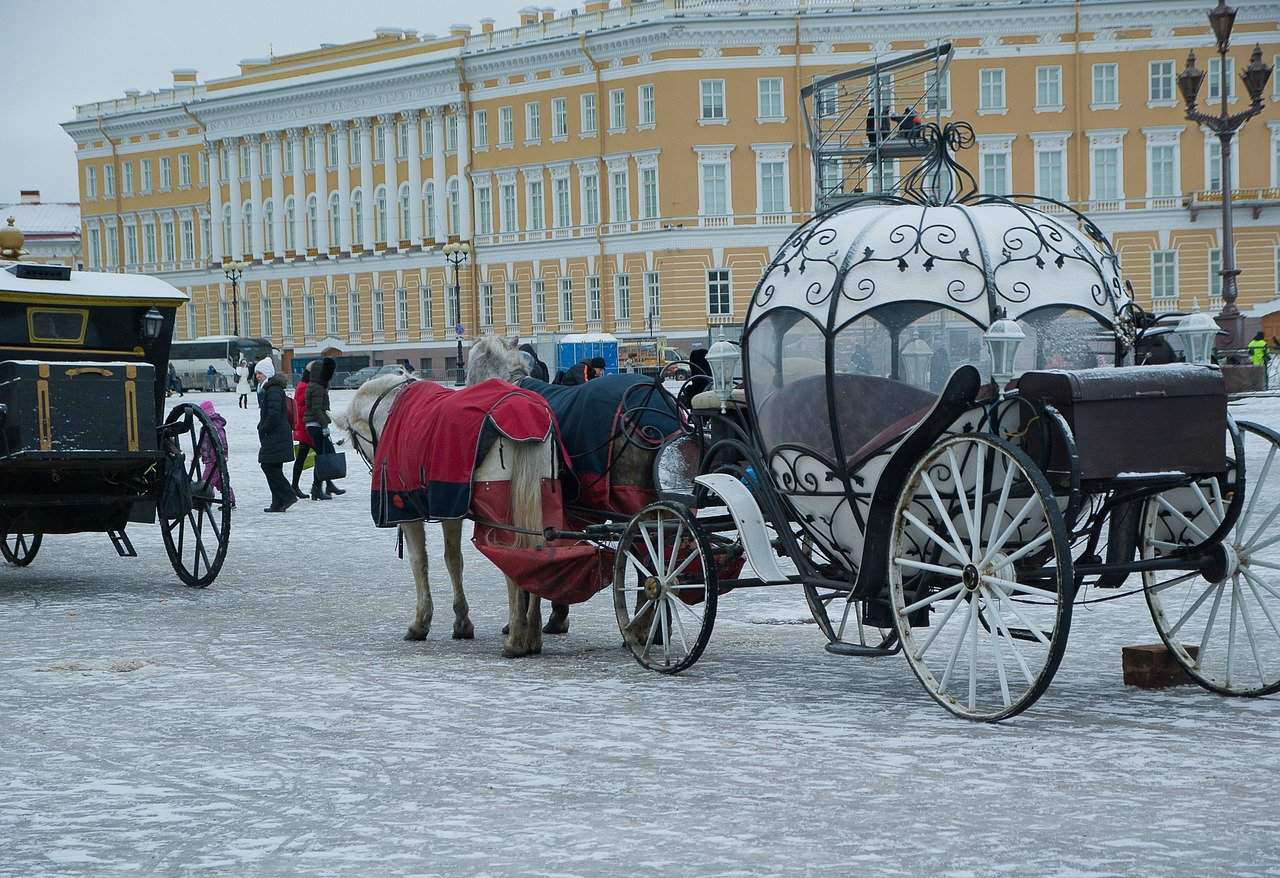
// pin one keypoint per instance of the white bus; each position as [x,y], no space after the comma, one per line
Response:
[193,357]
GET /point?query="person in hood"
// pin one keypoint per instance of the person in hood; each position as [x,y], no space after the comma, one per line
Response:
[539,369]
[597,367]
[316,419]
[578,373]
[275,435]
[209,457]
[242,384]
[300,434]
[699,377]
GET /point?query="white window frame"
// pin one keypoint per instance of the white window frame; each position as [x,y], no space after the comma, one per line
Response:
[379,310]
[426,320]
[1105,140]
[993,145]
[1160,256]
[617,110]
[1049,88]
[1172,82]
[769,154]
[480,124]
[712,102]
[486,306]
[90,182]
[513,303]
[1050,143]
[992,79]
[590,115]
[184,170]
[1211,77]
[564,301]
[932,104]
[559,120]
[538,296]
[595,308]
[166,173]
[622,296]
[532,123]
[708,156]
[652,295]
[719,277]
[506,127]
[646,107]
[1161,138]
[535,201]
[773,112]
[1106,75]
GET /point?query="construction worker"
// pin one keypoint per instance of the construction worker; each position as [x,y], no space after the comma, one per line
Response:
[1258,350]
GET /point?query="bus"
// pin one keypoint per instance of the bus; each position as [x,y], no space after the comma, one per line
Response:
[193,357]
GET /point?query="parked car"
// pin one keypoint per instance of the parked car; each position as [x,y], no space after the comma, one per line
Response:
[355,379]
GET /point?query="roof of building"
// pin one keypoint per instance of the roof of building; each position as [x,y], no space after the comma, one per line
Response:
[44,218]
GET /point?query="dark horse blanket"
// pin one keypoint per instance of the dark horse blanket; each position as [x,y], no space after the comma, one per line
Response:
[435,438]
[591,416]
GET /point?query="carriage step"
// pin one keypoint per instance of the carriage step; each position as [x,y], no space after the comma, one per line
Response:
[840,647]
[124,546]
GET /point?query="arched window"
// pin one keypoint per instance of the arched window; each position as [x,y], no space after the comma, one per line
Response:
[290,212]
[268,226]
[335,221]
[454,222]
[246,230]
[402,209]
[311,221]
[357,216]
[380,214]
[429,197]
[226,233]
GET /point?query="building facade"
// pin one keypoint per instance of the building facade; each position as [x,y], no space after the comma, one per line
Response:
[631,167]
[50,229]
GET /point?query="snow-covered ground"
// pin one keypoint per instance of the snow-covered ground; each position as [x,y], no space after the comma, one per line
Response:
[276,723]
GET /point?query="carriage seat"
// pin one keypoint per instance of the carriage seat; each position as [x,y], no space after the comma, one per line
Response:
[706,402]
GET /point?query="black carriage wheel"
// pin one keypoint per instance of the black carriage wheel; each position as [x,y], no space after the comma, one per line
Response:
[665,587]
[197,539]
[840,619]
[20,549]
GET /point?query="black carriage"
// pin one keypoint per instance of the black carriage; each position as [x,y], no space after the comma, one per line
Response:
[956,508]
[84,442]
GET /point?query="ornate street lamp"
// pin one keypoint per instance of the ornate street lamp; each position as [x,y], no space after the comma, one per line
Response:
[457,252]
[1197,331]
[1002,339]
[916,358]
[723,361]
[234,271]
[1225,125]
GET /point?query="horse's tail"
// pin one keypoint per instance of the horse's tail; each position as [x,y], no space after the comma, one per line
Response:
[526,491]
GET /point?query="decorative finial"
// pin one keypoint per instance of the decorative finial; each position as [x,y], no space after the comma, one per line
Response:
[11,239]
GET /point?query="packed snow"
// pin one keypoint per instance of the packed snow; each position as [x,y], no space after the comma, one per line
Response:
[276,723]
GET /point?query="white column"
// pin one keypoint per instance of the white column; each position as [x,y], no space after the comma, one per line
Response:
[344,188]
[390,143]
[255,195]
[464,171]
[437,173]
[364,130]
[232,145]
[277,196]
[214,257]
[299,194]
[319,156]
[414,162]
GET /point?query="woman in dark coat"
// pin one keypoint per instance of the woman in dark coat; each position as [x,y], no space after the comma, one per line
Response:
[275,436]
[300,434]
[539,370]
[316,419]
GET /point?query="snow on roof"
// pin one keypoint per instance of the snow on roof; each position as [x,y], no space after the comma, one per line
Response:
[587,337]
[1263,309]
[92,284]
[44,218]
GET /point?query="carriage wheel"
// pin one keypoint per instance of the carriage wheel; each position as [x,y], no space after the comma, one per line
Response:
[980,577]
[197,541]
[839,618]
[1224,627]
[20,549]
[665,587]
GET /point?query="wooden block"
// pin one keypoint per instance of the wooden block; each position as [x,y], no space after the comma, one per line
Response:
[1152,666]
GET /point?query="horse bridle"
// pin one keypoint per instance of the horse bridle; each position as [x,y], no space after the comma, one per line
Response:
[372,438]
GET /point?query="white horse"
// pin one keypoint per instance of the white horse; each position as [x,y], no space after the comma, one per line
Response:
[524,464]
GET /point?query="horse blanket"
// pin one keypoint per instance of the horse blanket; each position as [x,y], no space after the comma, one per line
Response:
[591,416]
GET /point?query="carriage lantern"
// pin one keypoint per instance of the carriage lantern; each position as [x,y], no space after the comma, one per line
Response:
[1198,332]
[1002,339]
[152,324]
[723,359]
[916,357]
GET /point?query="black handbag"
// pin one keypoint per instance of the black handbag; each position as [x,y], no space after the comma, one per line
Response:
[331,466]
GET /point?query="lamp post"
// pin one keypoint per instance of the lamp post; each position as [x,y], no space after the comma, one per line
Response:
[234,271]
[1225,125]
[457,252]
[1002,339]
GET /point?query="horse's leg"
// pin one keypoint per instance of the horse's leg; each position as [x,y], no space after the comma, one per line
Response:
[558,621]
[533,623]
[462,627]
[415,537]
[517,608]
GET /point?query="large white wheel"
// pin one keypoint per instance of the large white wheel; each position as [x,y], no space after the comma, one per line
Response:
[980,577]
[665,587]
[1222,625]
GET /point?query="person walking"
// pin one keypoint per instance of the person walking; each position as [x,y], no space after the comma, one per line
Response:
[242,383]
[210,379]
[316,419]
[300,434]
[175,383]
[275,435]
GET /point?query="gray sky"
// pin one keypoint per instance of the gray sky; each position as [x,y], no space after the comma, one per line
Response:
[58,53]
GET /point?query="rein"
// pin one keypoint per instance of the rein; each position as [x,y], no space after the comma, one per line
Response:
[372,438]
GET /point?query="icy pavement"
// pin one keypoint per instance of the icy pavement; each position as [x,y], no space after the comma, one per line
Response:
[277,724]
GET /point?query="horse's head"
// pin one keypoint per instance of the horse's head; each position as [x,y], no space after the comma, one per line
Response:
[495,357]
[366,415]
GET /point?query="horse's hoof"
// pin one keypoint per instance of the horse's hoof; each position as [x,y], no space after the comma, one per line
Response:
[415,635]
[508,652]
[464,632]
[554,626]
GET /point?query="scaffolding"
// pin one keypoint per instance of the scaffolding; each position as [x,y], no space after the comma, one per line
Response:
[859,142]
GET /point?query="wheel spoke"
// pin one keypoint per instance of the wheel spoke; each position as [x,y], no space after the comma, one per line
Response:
[1231,632]
[1014,524]
[1178,512]
[957,479]
[1013,585]
[973,651]
[1204,504]
[942,544]
[1013,643]
[636,561]
[1169,583]
[955,650]
[635,617]
[693,556]
[1253,586]
[937,629]
[931,568]
[653,629]
[1266,468]
[975,535]
[943,514]
[1259,580]
[1265,565]
[1208,629]
[1030,547]
[999,513]
[1017,614]
[660,560]
[654,558]
[1248,630]
[675,550]
[1266,522]
[679,626]
[666,631]
[1195,605]
[932,599]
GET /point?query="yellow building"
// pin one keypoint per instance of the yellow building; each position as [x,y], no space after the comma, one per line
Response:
[631,167]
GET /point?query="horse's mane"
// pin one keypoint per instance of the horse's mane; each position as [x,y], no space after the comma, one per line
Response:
[492,357]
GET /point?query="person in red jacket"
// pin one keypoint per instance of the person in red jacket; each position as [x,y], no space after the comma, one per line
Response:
[300,434]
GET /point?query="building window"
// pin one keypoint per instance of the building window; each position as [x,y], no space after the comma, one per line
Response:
[286,315]
[1160,82]
[486,305]
[264,316]
[1049,88]
[402,310]
[455,221]
[90,182]
[648,107]
[648,193]
[244,314]
[335,221]
[402,210]
[559,118]
[95,248]
[226,233]
[937,95]
[506,127]
[287,152]
[561,213]
[426,135]
[353,313]
[1162,170]
[379,304]
[1106,173]
[244,161]
[1213,75]
[451,133]
[715,189]
[991,89]
[719,300]
[290,214]
[712,103]
[1215,276]
[331,313]
[424,308]
[619,197]
[145,166]
[533,122]
[380,214]
[773,182]
[166,173]
[188,240]
[591,200]
[127,180]
[769,98]
[1051,174]
[593,297]
[588,114]
[453,306]
[308,314]
[1105,86]
[481,121]
[353,145]
[268,227]
[617,109]
[508,220]
[357,215]
[168,245]
[1164,274]
[622,296]
[652,294]
[149,243]
[566,300]
[513,303]
[311,221]
[429,198]
[202,167]
[184,170]
[539,301]
[379,143]
[108,180]
[112,255]
[190,310]
[995,172]
[484,211]
[402,140]
[537,209]
[264,151]
[332,148]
